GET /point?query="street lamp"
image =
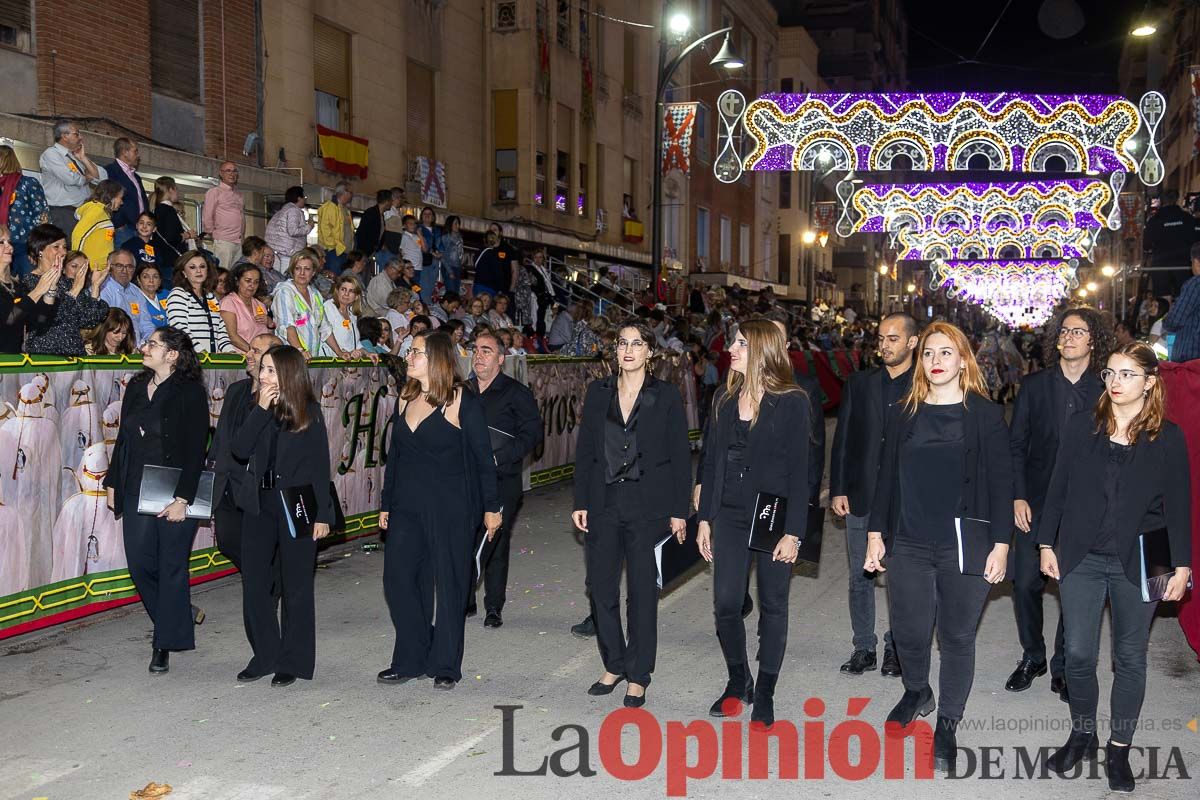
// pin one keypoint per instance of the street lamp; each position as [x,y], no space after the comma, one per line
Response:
[1108,270]
[678,24]
[883,271]
[1143,30]
[808,237]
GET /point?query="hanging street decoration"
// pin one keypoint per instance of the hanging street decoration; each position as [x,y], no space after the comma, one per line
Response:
[1000,131]
[678,124]
[1026,219]
[1017,292]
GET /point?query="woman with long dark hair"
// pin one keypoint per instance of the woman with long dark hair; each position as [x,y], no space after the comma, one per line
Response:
[73,303]
[284,446]
[945,473]
[112,337]
[19,306]
[1121,482]
[159,427]
[192,306]
[758,442]
[431,513]
[244,314]
[633,474]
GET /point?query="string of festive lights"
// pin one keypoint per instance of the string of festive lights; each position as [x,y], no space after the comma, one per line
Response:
[1017,292]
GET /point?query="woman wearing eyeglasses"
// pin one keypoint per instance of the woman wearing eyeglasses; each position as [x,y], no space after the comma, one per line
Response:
[1122,471]
[946,467]
[757,441]
[633,478]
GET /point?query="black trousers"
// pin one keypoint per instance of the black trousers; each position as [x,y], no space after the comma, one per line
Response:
[494,557]
[1083,591]
[925,590]
[292,647]
[421,561]
[614,537]
[158,552]
[1029,587]
[731,571]
[227,522]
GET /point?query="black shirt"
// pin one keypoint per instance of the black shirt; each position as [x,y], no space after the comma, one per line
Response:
[735,456]
[144,421]
[1106,537]
[1072,397]
[894,389]
[620,442]
[493,268]
[511,409]
[931,473]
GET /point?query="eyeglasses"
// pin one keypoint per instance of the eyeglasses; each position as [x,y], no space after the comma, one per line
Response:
[415,352]
[1074,333]
[636,344]
[152,343]
[1122,375]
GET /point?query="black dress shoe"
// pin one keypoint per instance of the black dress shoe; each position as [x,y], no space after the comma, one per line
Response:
[197,615]
[747,606]
[945,745]
[1078,747]
[860,662]
[1058,685]
[585,629]
[632,701]
[283,679]
[444,683]
[493,620]
[246,676]
[392,677]
[912,704]
[1022,677]
[1116,764]
[890,668]
[160,662]
[599,689]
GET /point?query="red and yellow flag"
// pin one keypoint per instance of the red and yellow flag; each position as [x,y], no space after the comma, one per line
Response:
[343,153]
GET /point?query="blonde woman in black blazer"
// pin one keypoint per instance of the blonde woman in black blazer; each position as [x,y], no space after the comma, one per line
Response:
[1122,471]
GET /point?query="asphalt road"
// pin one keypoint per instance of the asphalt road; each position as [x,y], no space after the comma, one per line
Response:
[82,719]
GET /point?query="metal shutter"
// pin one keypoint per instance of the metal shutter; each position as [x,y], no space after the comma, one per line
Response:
[174,48]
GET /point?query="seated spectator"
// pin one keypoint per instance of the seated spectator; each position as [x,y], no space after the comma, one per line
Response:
[474,316]
[244,314]
[498,315]
[68,175]
[112,337]
[22,204]
[76,305]
[119,291]
[148,280]
[376,302]
[18,306]
[561,330]
[93,234]
[287,231]
[221,287]
[399,309]
[343,310]
[375,336]
[192,306]
[447,308]
[355,263]
[419,324]
[253,248]
[299,309]
[454,327]
[271,277]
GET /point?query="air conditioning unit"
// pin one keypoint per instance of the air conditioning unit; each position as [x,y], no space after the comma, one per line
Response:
[504,16]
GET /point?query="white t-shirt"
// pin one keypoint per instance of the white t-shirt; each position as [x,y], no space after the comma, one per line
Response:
[345,331]
[399,321]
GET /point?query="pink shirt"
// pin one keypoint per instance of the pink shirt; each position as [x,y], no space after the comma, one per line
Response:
[246,326]
[224,214]
[133,178]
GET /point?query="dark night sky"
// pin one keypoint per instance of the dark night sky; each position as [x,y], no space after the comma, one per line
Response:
[1019,55]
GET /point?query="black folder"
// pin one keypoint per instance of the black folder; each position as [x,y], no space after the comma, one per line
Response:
[766,529]
[974,544]
[1157,571]
[673,558]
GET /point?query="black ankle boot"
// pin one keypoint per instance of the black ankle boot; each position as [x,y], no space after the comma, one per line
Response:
[1116,764]
[912,704]
[1078,747]
[740,688]
[945,744]
[764,699]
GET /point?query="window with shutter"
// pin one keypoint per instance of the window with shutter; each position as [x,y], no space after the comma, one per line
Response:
[174,48]
[16,24]
[420,111]
[331,76]
[504,134]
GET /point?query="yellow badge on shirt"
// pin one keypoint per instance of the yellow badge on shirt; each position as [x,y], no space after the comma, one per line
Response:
[500,254]
[212,306]
[71,166]
[259,309]
[163,303]
[109,234]
[12,199]
[149,249]
[134,308]
[346,324]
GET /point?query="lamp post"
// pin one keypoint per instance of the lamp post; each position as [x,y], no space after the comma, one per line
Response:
[883,271]
[679,25]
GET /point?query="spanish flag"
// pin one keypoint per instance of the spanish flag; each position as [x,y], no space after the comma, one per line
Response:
[343,153]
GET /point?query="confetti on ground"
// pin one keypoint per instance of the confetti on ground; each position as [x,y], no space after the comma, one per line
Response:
[331,738]
[541,633]
[324,705]
[183,764]
[478,677]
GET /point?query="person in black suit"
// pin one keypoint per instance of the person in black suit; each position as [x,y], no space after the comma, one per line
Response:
[946,462]
[124,172]
[757,440]
[632,475]
[439,488]
[1122,471]
[868,399]
[516,431]
[282,445]
[1077,345]
[369,236]
[163,424]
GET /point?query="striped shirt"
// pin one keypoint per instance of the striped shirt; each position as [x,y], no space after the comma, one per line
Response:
[200,320]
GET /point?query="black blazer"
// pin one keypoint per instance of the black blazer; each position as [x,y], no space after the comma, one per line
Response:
[777,454]
[127,214]
[986,492]
[369,236]
[226,469]
[509,406]
[1155,493]
[301,459]
[184,440]
[1037,421]
[858,439]
[664,458]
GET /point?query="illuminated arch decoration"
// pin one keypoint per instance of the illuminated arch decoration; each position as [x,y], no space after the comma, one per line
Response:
[1016,292]
[1053,218]
[944,131]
